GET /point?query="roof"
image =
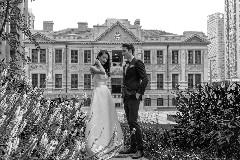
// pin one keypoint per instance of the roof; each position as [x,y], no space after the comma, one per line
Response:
[148,33]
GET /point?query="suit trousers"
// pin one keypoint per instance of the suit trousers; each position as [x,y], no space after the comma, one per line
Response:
[131,107]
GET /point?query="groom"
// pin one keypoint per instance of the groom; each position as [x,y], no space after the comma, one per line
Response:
[134,83]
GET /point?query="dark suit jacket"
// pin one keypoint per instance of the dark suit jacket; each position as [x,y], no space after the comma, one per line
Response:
[135,80]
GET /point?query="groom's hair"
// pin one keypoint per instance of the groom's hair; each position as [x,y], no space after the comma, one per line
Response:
[129,46]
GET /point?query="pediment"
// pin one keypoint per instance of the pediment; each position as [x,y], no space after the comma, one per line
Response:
[195,39]
[117,33]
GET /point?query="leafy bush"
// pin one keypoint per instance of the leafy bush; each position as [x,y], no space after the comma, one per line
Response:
[34,127]
[209,120]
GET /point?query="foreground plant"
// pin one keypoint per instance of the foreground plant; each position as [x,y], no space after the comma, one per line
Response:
[209,120]
[32,126]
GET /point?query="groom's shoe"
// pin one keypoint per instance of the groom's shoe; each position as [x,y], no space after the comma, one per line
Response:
[138,154]
[128,151]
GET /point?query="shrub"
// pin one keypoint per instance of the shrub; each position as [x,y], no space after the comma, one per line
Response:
[209,120]
[34,127]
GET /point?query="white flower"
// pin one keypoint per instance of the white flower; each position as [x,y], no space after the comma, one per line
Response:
[22,126]
[58,131]
[64,153]
[53,143]
[15,143]
[2,119]
[79,145]
[4,73]
[9,146]
[65,133]
[44,140]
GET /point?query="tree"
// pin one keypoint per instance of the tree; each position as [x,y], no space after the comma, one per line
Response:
[11,14]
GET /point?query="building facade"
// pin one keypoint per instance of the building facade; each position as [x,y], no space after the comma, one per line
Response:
[65,57]
[216,48]
[231,27]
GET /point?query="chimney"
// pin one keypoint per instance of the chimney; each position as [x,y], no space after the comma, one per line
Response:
[82,26]
[137,22]
[48,25]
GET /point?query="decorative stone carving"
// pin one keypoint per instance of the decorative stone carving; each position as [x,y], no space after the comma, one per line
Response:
[175,67]
[195,67]
[58,67]
[158,67]
[161,67]
[74,67]
[38,66]
[85,68]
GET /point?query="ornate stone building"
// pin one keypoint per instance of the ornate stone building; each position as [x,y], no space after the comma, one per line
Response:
[216,50]
[232,35]
[170,59]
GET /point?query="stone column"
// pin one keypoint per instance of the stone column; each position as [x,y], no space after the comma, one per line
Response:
[183,84]
[50,70]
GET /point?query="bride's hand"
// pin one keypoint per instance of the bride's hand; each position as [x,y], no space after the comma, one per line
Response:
[97,62]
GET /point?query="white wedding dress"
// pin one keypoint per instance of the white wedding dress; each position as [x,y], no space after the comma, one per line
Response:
[103,121]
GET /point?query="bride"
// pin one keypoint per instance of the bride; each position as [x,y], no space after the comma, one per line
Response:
[103,134]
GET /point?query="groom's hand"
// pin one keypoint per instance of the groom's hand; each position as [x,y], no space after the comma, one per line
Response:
[137,95]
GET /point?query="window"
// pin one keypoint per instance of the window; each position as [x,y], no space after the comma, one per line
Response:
[174,57]
[87,81]
[174,81]
[38,80]
[174,101]
[34,55]
[58,80]
[197,80]
[190,57]
[149,82]
[42,81]
[74,56]
[87,102]
[160,102]
[159,57]
[147,57]
[190,80]
[194,82]
[117,104]
[198,57]
[87,56]
[159,81]
[43,56]
[116,85]
[35,80]
[58,56]
[147,102]
[117,56]
[74,80]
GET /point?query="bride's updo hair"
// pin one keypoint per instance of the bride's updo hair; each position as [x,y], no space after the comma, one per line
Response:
[107,65]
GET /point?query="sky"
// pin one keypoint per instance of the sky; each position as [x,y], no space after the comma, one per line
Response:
[174,16]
